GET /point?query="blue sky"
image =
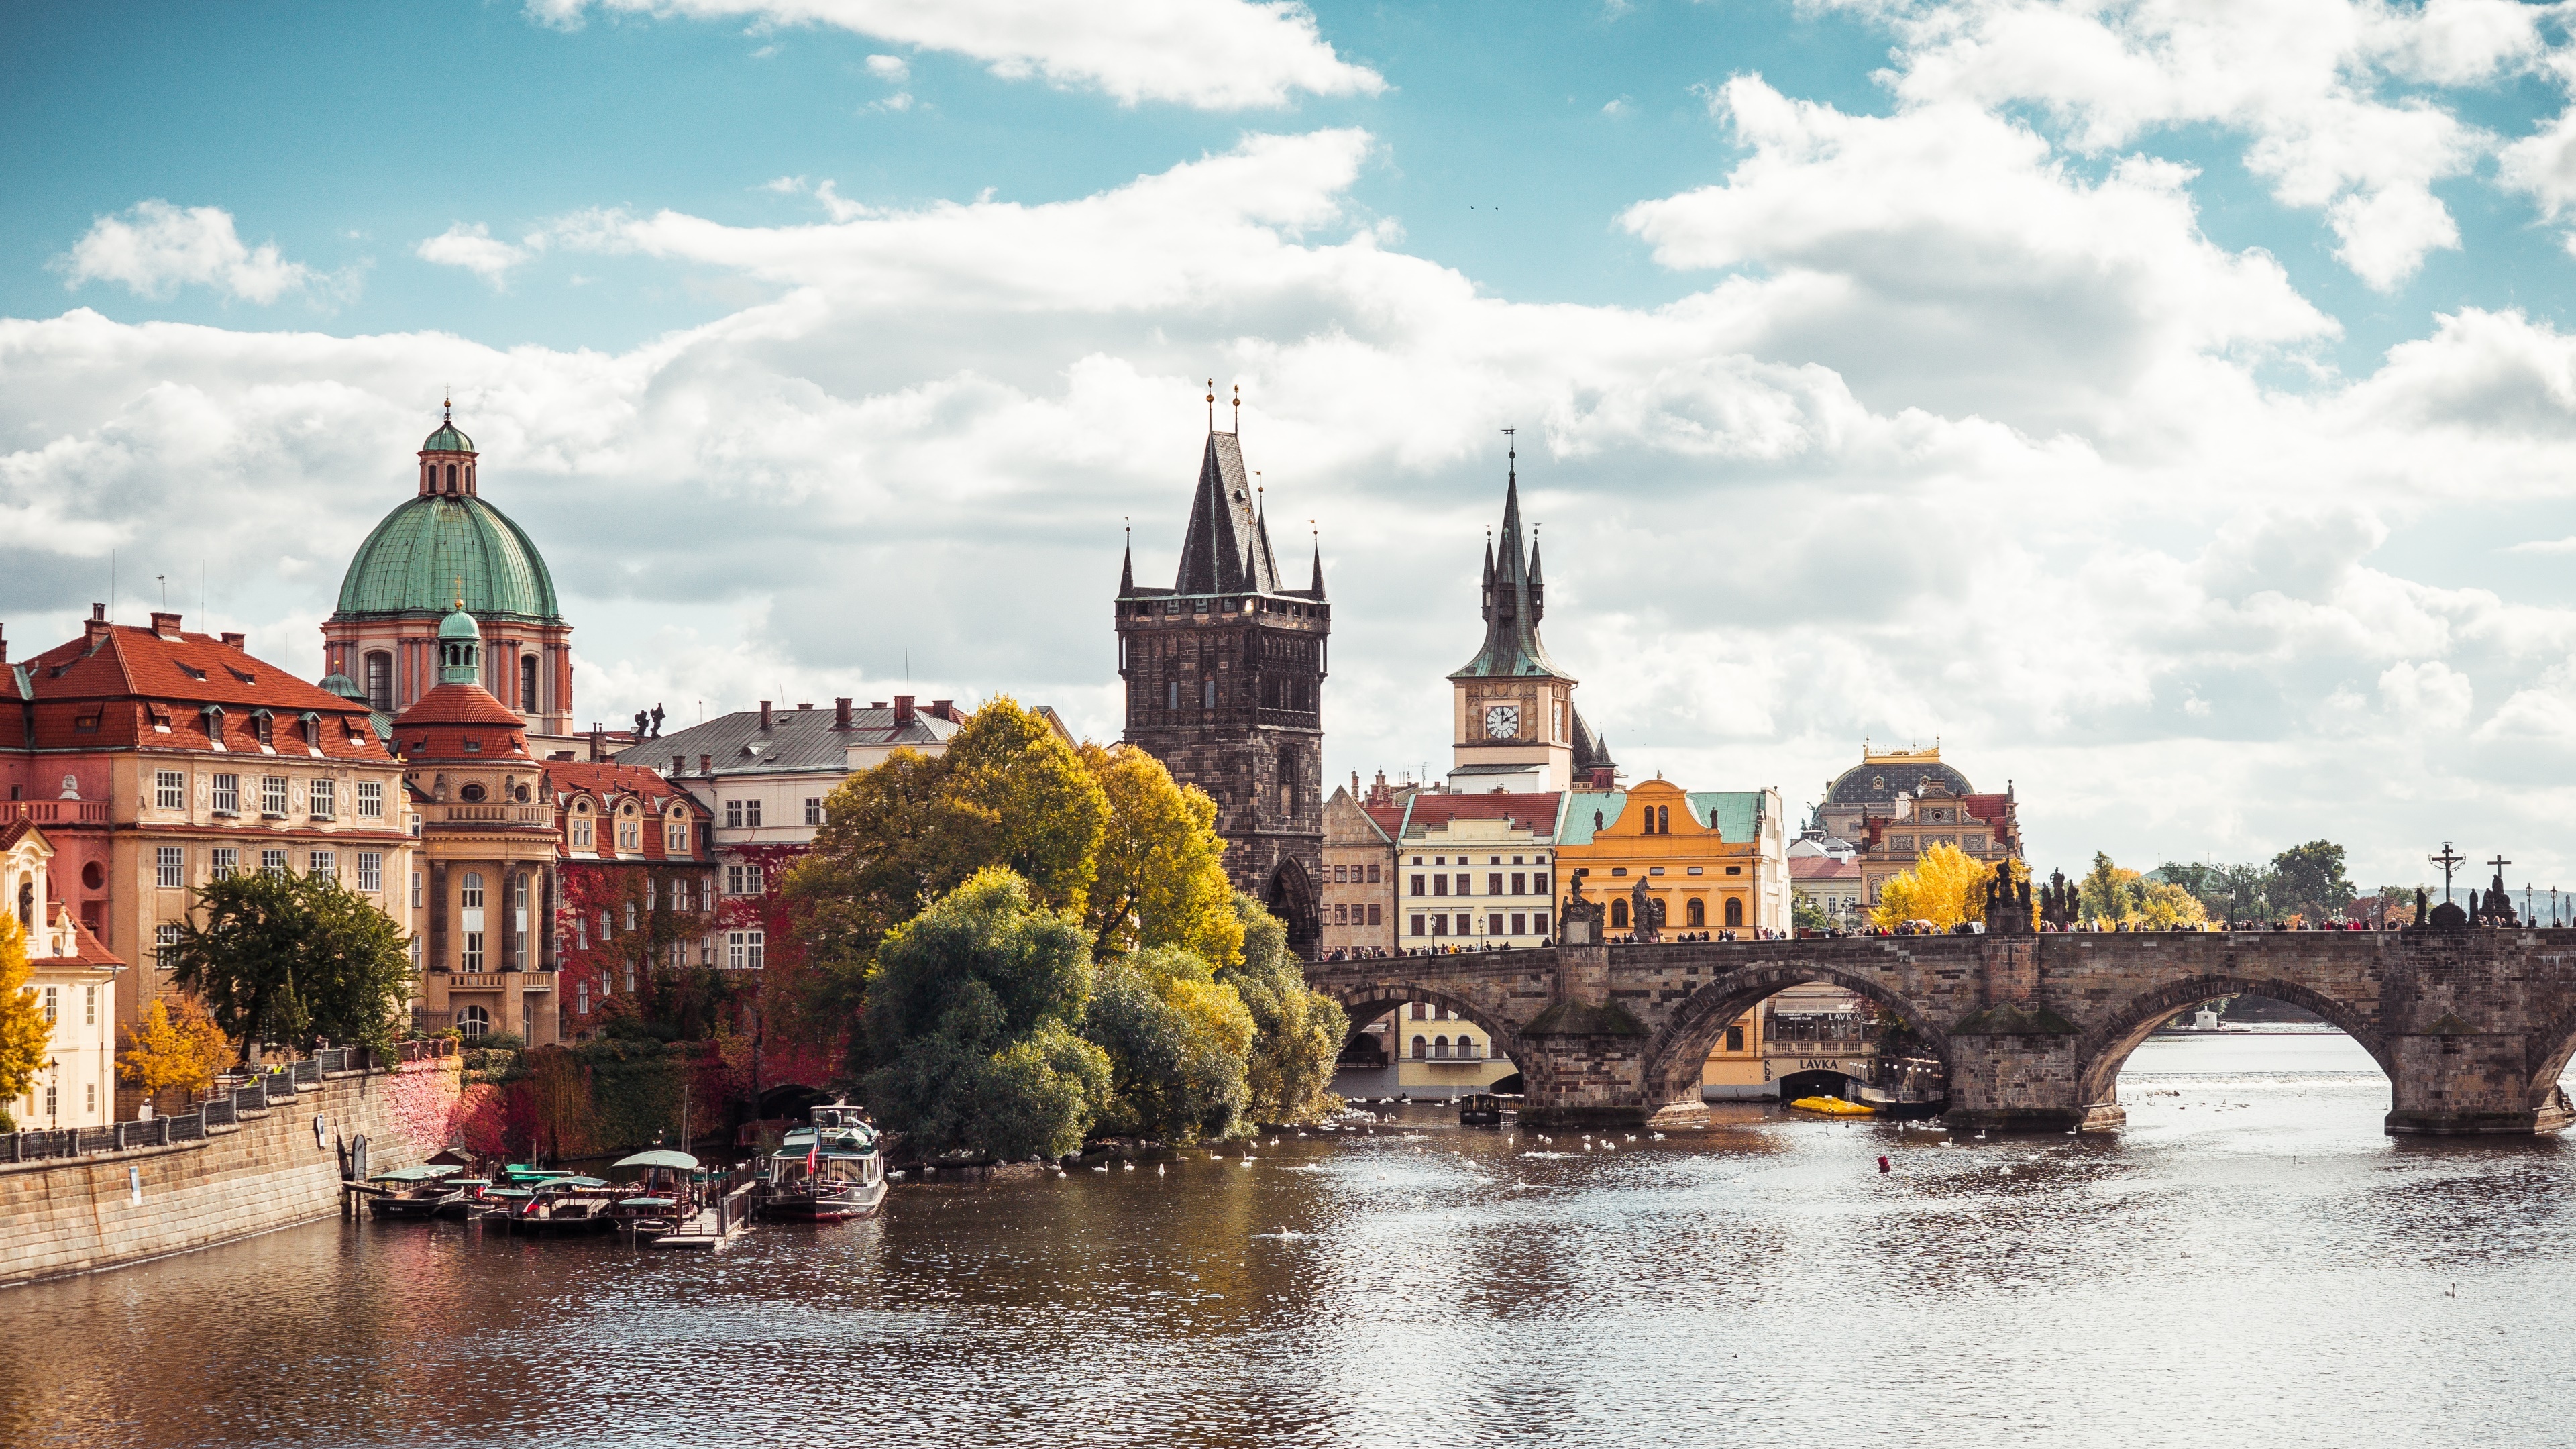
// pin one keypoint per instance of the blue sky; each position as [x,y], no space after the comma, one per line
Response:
[2148,402]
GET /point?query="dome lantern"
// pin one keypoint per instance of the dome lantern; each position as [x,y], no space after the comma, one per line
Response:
[460,648]
[447,458]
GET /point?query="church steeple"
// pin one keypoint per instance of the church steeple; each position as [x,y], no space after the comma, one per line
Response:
[1227,550]
[1512,599]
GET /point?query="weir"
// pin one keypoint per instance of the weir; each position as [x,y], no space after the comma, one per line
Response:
[2472,1024]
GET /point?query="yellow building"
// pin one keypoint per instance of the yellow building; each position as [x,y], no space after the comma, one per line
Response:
[1421,1050]
[1716,859]
[1804,1041]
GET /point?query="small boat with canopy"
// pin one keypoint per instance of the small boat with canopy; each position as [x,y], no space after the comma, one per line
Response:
[826,1171]
[412,1193]
[663,1198]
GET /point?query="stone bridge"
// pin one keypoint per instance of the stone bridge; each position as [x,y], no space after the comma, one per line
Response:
[2472,1025]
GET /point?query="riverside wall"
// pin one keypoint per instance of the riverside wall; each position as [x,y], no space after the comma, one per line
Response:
[78,1215]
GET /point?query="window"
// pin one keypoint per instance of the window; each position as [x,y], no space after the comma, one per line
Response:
[471,794]
[1373,920]
[675,838]
[323,865]
[1463,879]
[630,915]
[1421,1048]
[371,799]
[581,933]
[1695,913]
[1417,925]
[371,871]
[1372,875]
[169,790]
[222,861]
[165,944]
[89,1014]
[169,867]
[1735,910]
[585,998]
[53,1004]
[1494,923]
[743,949]
[380,682]
[742,880]
[606,932]
[1440,885]
[272,795]
[273,862]
[813,809]
[581,834]
[52,1094]
[1494,884]
[733,815]
[630,836]
[473,962]
[1520,924]
[324,800]
[1417,885]
[1207,689]
[1439,924]
[1735,1038]
[473,1021]
[415,890]
[751,815]
[1619,913]
[227,794]
[1440,1047]
[1538,923]
[527,684]
[652,894]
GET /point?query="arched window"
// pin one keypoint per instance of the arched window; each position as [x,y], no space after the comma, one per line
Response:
[380,682]
[1619,913]
[1735,910]
[1440,1047]
[1467,1047]
[1421,1048]
[451,477]
[1663,820]
[1696,913]
[473,1021]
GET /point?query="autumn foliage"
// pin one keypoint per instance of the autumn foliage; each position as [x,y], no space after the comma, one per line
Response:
[22,1022]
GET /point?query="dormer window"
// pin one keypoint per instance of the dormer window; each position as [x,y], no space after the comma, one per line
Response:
[473,747]
[86,724]
[192,673]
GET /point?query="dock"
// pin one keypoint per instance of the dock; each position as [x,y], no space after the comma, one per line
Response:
[713,1229]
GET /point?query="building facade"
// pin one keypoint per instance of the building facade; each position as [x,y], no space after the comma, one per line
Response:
[1832,885]
[1224,682]
[442,549]
[1477,871]
[484,887]
[1717,860]
[1513,724]
[1896,804]
[156,760]
[636,863]
[73,979]
[1357,917]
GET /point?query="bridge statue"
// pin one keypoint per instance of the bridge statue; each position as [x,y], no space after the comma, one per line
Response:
[2472,1024]
[1646,910]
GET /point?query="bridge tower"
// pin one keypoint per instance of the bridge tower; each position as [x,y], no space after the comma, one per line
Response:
[1224,679]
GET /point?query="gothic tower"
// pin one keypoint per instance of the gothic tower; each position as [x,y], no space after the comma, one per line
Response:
[1225,685]
[1513,723]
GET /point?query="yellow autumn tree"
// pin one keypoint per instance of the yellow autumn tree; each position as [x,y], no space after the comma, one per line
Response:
[173,1050]
[1946,886]
[23,1032]
[1161,867]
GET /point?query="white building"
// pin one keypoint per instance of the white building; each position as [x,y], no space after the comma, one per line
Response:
[74,981]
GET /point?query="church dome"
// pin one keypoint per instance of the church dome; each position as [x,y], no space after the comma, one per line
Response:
[1877,780]
[447,440]
[439,547]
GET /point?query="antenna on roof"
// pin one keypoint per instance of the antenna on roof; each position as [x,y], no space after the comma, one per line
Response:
[165,591]
[1238,410]
[1211,404]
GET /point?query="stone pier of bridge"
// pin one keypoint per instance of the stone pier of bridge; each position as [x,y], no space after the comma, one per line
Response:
[2472,1025]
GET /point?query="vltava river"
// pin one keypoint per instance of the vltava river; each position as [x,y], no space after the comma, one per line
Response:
[2252,1262]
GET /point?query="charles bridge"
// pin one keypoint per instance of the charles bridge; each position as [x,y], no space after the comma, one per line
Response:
[2472,1024]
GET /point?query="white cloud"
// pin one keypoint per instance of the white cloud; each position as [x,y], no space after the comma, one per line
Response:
[889,68]
[154,248]
[1210,54]
[474,248]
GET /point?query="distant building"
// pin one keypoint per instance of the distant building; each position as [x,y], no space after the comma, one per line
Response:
[1477,871]
[1513,723]
[1358,912]
[1805,1041]
[443,549]
[156,760]
[73,979]
[485,887]
[1831,885]
[1224,680]
[637,864]
[1717,859]
[1896,804]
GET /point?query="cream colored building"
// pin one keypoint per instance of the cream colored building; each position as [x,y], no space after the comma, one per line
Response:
[73,979]
[1358,908]
[1805,1037]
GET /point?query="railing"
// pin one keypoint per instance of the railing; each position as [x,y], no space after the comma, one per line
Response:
[502,814]
[119,1137]
[55,812]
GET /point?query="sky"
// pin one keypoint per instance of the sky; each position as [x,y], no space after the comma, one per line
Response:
[2167,407]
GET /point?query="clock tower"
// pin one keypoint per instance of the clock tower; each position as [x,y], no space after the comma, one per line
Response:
[1513,718]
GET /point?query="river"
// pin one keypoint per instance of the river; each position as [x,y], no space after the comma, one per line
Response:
[2252,1261]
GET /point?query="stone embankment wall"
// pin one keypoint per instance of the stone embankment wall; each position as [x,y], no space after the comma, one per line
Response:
[78,1215]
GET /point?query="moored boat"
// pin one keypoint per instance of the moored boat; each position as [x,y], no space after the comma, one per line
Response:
[1480,1109]
[464,1198]
[409,1192]
[824,1172]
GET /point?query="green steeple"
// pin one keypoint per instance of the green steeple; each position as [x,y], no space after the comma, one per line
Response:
[460,649]
[1514,601]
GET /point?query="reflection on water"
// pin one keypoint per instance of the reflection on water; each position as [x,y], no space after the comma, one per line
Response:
[2251,1261]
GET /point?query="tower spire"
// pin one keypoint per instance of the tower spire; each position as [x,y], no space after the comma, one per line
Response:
[1127,562]
[1315,590]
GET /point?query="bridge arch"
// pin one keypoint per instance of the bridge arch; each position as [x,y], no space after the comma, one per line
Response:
[2548,1051]
[2105,1048]
[1678,1053]
[1367,1003]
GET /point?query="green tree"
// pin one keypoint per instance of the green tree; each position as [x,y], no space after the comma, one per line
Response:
[1806,915]
[23,1032]
[1161,865]
[1018,796]
[1297,1032]
[971,1015]
[293,959]
[1176,1041]
[2309,880]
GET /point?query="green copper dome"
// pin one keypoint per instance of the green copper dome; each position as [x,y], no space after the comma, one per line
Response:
[447,440]
[438,547]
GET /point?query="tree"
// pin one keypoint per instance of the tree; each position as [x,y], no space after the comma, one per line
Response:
[1806,915]
[1176,1042]
[1017,796]
[1161,865]
[2309,880]
[1297,1032]
[293,959]
[167,1049]
[971,1013]
[23,1030]
[1946,886]
[2114,895]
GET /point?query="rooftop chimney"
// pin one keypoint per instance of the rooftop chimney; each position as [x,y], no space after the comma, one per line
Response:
[764,716]
[1601,780]
[598,742]
[4,644]
[945,709]
[902,710]
[233,638]
[96,624]
[804,706]
[706,764]
[840,710]
[679,764]
[876,704]
[165,625]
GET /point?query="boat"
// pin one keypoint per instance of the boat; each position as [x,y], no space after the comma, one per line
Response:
[824,1172]
[412,1193]
[1480,1109]
[464,1199]
[1832,1107]
[663,1198]
[565,1206]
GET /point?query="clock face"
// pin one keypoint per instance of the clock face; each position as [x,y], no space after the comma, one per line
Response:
[1502,721]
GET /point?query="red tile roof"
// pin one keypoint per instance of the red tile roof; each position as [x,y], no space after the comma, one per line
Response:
[120,687]
[1993,809]
[439,724]
[92,951]
[1822,867]
[1536,811]
[1389,819]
